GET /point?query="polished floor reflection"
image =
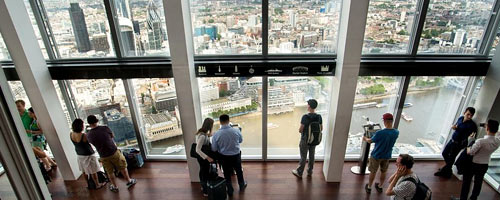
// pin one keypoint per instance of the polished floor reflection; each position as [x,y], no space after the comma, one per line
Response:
[271,180]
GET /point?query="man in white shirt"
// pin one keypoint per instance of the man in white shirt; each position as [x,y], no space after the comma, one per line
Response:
[400,186]
[481,151]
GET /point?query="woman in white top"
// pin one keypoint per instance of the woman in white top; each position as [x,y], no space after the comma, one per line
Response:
[481,151]
[202,139]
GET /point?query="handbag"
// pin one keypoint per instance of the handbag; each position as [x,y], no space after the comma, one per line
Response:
[205,149]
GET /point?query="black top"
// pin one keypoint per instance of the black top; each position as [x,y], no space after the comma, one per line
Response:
[83,148]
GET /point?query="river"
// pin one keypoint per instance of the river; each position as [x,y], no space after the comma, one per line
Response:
[433,114]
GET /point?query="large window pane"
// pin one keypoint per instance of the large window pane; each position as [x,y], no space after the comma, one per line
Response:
[36,29]
[241,98]
[430,108]
[161,123]
[80,28]
[375,95]
[227,26]
[6,190]
[142,27]
[493,166]
[106,99]
[4,53]
[303,26]
[388,26]
[287,102]
[455,27]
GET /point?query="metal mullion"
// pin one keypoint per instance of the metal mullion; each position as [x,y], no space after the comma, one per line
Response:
[39,13]
[403,91]
[113,27]
[67,100]
[423,6]
[491,30]
[265,27]
[265,98]
[135,115]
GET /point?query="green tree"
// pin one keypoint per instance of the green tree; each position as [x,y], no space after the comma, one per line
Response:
[153,110]
[402,32]
[211,21]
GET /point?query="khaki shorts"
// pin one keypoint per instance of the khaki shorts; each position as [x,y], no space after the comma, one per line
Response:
[116,161]
[375,163]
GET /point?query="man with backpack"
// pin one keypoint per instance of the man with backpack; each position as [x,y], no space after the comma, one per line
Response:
[384,141]
[404,184]
[310,129]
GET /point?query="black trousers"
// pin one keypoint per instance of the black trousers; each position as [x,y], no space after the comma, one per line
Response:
[204,168]
[450,153]
[229,165]
[477,171]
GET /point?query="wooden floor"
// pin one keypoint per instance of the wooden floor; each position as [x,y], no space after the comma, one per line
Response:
[271,180]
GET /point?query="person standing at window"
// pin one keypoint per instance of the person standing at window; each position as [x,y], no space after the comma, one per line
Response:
[384,142]
[87,161]
[112,158]
[202,139]
[464,127]
[481,151]
[227,141]
[304,147]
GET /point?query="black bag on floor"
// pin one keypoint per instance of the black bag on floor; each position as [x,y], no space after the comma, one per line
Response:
[216,184]
[101,177]
[45,174]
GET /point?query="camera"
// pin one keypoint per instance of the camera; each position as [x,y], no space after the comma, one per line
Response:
[482,125]
[235,126]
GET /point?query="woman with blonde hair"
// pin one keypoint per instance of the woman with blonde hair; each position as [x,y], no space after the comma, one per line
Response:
[202,139]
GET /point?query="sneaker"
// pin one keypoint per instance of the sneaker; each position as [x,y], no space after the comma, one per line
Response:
[131,183]
[113,188]
[378,188]
[367,189]
[205,194]
[296,173]
[243,186]
[309,173]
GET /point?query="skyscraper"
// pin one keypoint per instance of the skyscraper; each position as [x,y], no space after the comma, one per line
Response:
[154,25]
[79,28]
[123,9]
[293,18]
[459,38]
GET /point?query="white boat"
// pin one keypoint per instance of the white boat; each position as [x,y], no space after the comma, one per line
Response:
[271,125]
[406,117]
[174,149]
[407,105]
[364,105]
[381,105]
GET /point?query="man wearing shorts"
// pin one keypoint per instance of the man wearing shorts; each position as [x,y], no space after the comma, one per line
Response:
[384,141]
[112,158]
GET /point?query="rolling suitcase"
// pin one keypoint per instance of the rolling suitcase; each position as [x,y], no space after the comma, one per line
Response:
[134,158]
[216,184]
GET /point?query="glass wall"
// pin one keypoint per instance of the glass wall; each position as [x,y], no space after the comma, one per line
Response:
[241,99]
[495,43]
[106,99]
[287,102]
[161,123]
[6,190]
[430,108]
[36,29]
[302,27]
[375,95]
[80,28]
[455,27]
[226,26]
[389,25]
[4,53]
[142,27]
[494,167]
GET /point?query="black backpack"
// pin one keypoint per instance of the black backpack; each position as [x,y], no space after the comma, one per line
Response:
[422,192]
[314,134]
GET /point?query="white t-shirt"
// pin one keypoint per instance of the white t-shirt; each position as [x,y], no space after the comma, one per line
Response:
[405,190]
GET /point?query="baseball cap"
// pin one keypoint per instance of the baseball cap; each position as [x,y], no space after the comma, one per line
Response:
[387,116]
[313,103]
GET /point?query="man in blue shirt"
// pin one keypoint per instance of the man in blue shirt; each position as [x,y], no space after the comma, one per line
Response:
[227,141]
[464,127]
[384,141]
